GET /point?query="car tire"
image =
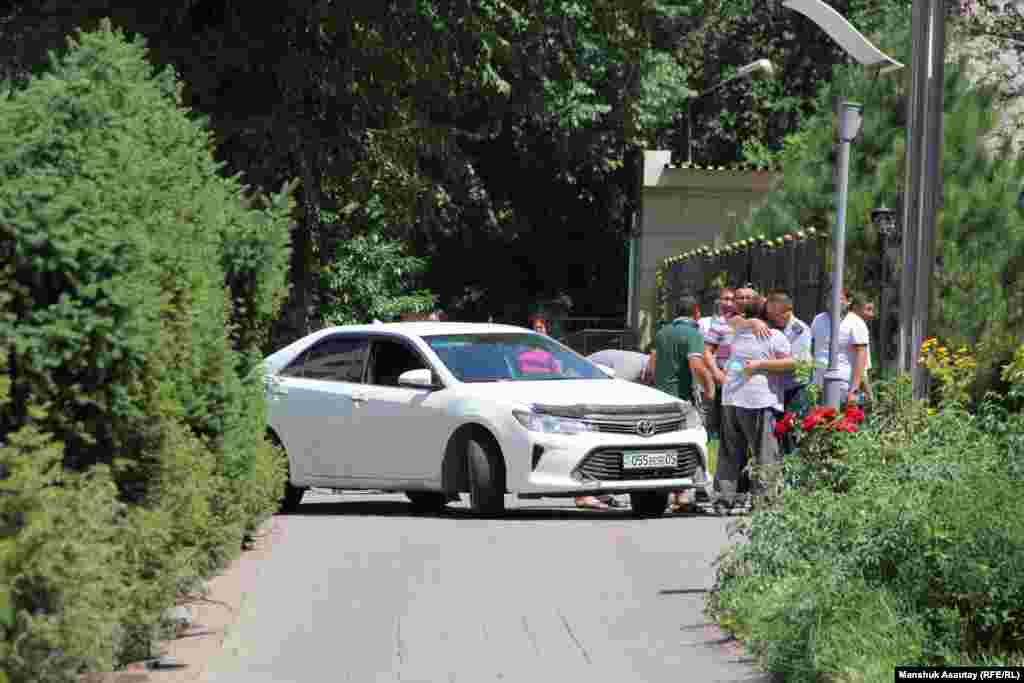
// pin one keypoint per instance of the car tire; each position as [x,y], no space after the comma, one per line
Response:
[292,494]
[486,495]
[649,503]
[427,501]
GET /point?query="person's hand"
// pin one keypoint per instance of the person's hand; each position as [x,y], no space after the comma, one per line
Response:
[851,396]
[750,367]
[760,328]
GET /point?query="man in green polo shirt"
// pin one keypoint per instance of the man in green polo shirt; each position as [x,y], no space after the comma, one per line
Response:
[678,356]
[677,360]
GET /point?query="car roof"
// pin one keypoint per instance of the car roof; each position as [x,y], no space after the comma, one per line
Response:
[426,328]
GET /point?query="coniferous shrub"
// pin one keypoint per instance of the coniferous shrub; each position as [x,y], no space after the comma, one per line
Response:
[138,283]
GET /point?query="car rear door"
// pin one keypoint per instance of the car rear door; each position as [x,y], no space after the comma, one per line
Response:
[313,412]
[408,426]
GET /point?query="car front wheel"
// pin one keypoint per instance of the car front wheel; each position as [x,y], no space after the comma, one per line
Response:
[648,503]
[486,493]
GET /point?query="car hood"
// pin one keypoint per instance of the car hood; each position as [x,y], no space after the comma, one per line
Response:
[568,392]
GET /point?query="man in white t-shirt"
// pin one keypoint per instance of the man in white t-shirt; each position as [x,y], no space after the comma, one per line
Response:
[852,350]
[865,308]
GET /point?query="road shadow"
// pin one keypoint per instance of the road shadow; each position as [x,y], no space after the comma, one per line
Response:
[397,508]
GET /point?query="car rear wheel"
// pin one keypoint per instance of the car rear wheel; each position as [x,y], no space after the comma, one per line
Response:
[486,494]
[648,503]
[427,501]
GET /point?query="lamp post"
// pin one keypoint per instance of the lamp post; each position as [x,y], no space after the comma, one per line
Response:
[748,71]
[884,220]
[850,117]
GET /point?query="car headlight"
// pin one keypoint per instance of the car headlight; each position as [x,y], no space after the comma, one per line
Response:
[549,424]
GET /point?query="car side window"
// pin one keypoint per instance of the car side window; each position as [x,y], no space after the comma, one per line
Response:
[390,359]
[337,359]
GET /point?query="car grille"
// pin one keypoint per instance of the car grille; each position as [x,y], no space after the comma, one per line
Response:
[629,426]
[605,464]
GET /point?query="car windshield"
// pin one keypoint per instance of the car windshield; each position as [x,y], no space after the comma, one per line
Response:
[510,357]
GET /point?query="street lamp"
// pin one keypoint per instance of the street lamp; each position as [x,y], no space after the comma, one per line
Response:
[850,118]
[884,220]
[763,66]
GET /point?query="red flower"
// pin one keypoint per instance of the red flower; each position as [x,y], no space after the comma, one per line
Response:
[783,426]
[817,416]
[855,414]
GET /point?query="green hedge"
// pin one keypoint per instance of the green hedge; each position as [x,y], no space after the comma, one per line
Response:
[138,283]
[920,560]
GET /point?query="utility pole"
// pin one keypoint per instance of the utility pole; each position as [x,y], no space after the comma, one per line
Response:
[922,183]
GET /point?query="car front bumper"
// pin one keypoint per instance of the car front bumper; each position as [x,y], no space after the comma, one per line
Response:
[554,465]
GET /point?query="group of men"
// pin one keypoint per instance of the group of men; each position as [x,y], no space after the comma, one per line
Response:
[739,365]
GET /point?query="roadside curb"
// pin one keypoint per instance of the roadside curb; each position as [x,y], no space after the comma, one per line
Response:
[217,617]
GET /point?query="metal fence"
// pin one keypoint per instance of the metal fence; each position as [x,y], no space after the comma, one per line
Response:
[796,263]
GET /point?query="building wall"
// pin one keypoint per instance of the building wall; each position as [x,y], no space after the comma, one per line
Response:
[683,208]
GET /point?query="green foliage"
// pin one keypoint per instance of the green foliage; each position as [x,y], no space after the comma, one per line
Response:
[137,285]
[369,278]
[907,563]
[978,285]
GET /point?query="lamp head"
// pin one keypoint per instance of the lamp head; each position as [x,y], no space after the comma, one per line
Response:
[884,220]
[761,66]
[850,120]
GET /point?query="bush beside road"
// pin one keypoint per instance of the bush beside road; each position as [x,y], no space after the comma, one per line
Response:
[901,546]
[136,286]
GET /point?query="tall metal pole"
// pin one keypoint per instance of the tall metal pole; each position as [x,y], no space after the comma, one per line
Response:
[923,182]
[849,125]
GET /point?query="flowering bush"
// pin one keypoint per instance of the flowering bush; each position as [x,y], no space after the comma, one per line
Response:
[819,437]
[954,372]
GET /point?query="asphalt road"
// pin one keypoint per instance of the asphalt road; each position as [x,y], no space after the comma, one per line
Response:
[361,589]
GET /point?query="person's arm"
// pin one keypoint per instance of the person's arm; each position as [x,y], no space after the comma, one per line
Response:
[773,365]
[647,375]
[860,338]
[700,370]
[712,366]
[695,351]
[759,327]
[781,357]
[860,361]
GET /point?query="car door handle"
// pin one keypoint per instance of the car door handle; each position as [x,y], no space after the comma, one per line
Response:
[358,398]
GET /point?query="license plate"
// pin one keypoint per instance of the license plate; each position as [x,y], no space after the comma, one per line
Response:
[649,461]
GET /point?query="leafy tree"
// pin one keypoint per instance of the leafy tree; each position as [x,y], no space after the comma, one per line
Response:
[369,278]
[977,286]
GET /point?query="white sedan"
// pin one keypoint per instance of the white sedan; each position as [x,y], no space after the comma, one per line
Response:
[437,409]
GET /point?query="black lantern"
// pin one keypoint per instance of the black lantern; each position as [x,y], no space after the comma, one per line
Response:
[884,220]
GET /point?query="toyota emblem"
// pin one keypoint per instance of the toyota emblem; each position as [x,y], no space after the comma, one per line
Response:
[645,428]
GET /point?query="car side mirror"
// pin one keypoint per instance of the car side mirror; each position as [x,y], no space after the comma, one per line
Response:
[420,378]
[606,370]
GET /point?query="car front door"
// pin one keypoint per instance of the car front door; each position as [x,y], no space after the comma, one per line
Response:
[315,413]
[408,426]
